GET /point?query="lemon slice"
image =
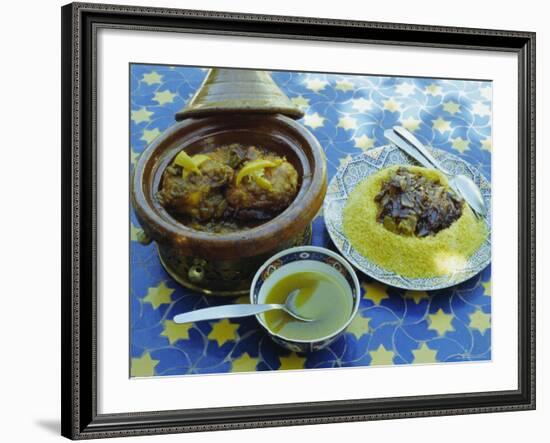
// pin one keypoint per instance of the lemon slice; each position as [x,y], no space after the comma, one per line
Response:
[261,181]
[255,169]
[190,164]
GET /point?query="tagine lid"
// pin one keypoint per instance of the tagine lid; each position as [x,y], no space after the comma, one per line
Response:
[238,91]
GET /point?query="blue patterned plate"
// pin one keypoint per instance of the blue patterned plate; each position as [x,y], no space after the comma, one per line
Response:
[362,166]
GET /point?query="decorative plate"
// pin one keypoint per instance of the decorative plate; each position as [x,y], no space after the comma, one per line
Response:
[362,166]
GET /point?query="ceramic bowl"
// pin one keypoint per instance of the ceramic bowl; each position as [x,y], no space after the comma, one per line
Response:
[299,259]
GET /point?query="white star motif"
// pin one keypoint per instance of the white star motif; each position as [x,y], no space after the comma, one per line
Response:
[152,78]
[361,105]
[344,85]
[460,144]
[441,125]
[405,88]
[164,97]
[433,89]
[364,142]
[300,101]
[481,109]
[316,84]
[392,105]
[410,123]
[487,144]
[347,122]
[141,115]
[148,135]
[314,120]
[451,107]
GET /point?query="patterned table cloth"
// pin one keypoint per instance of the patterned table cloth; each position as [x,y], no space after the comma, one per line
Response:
[347,114]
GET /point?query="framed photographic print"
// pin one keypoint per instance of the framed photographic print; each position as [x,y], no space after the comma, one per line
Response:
[273,221]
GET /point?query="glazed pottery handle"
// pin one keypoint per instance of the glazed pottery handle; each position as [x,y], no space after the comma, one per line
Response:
[143,238]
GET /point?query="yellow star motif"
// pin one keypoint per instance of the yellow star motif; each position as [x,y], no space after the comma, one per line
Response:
[344,161]
[134,232]
[293,361]
[487,144]
[159,295]
[461,145]
[364,142]
[391,105]
[441,322]
[176,331]
[141,115]
[152,78]
[441,125]
[361,105]
[245,363]
[143,366]
[359,326]
[300,101]
[433,89]
[417,296]
[223,331]
[451,107]
[316,84]
[486,288]
[133,156]
[149,135]
[410,123]
[347,122]
[344,85]
[405,88]
[376,292]
[424,354]
[381,356]
[164,97]
[480,321]
[314,120]
[481,109]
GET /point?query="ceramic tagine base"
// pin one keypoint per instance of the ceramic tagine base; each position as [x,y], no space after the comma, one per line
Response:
[232,106]
[220,277]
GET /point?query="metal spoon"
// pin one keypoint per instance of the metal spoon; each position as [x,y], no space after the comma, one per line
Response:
[242,310]
[461,184]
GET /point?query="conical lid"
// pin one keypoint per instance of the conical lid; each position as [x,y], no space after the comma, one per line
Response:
[237,91]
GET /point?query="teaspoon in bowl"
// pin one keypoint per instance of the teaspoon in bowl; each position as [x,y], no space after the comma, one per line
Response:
[242,310]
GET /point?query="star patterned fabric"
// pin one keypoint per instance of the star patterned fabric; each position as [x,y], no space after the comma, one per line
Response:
[348,114]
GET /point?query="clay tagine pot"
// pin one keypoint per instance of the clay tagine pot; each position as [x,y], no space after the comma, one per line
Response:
[232,106]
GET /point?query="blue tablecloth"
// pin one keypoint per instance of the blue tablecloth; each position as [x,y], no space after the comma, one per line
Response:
[347,114]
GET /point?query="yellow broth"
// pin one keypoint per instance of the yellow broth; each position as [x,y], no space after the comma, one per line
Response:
[321,297]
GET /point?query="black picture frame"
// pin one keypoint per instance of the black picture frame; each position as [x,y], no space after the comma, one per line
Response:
[79,174]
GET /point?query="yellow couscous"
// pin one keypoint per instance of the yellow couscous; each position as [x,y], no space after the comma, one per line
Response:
[409,256]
